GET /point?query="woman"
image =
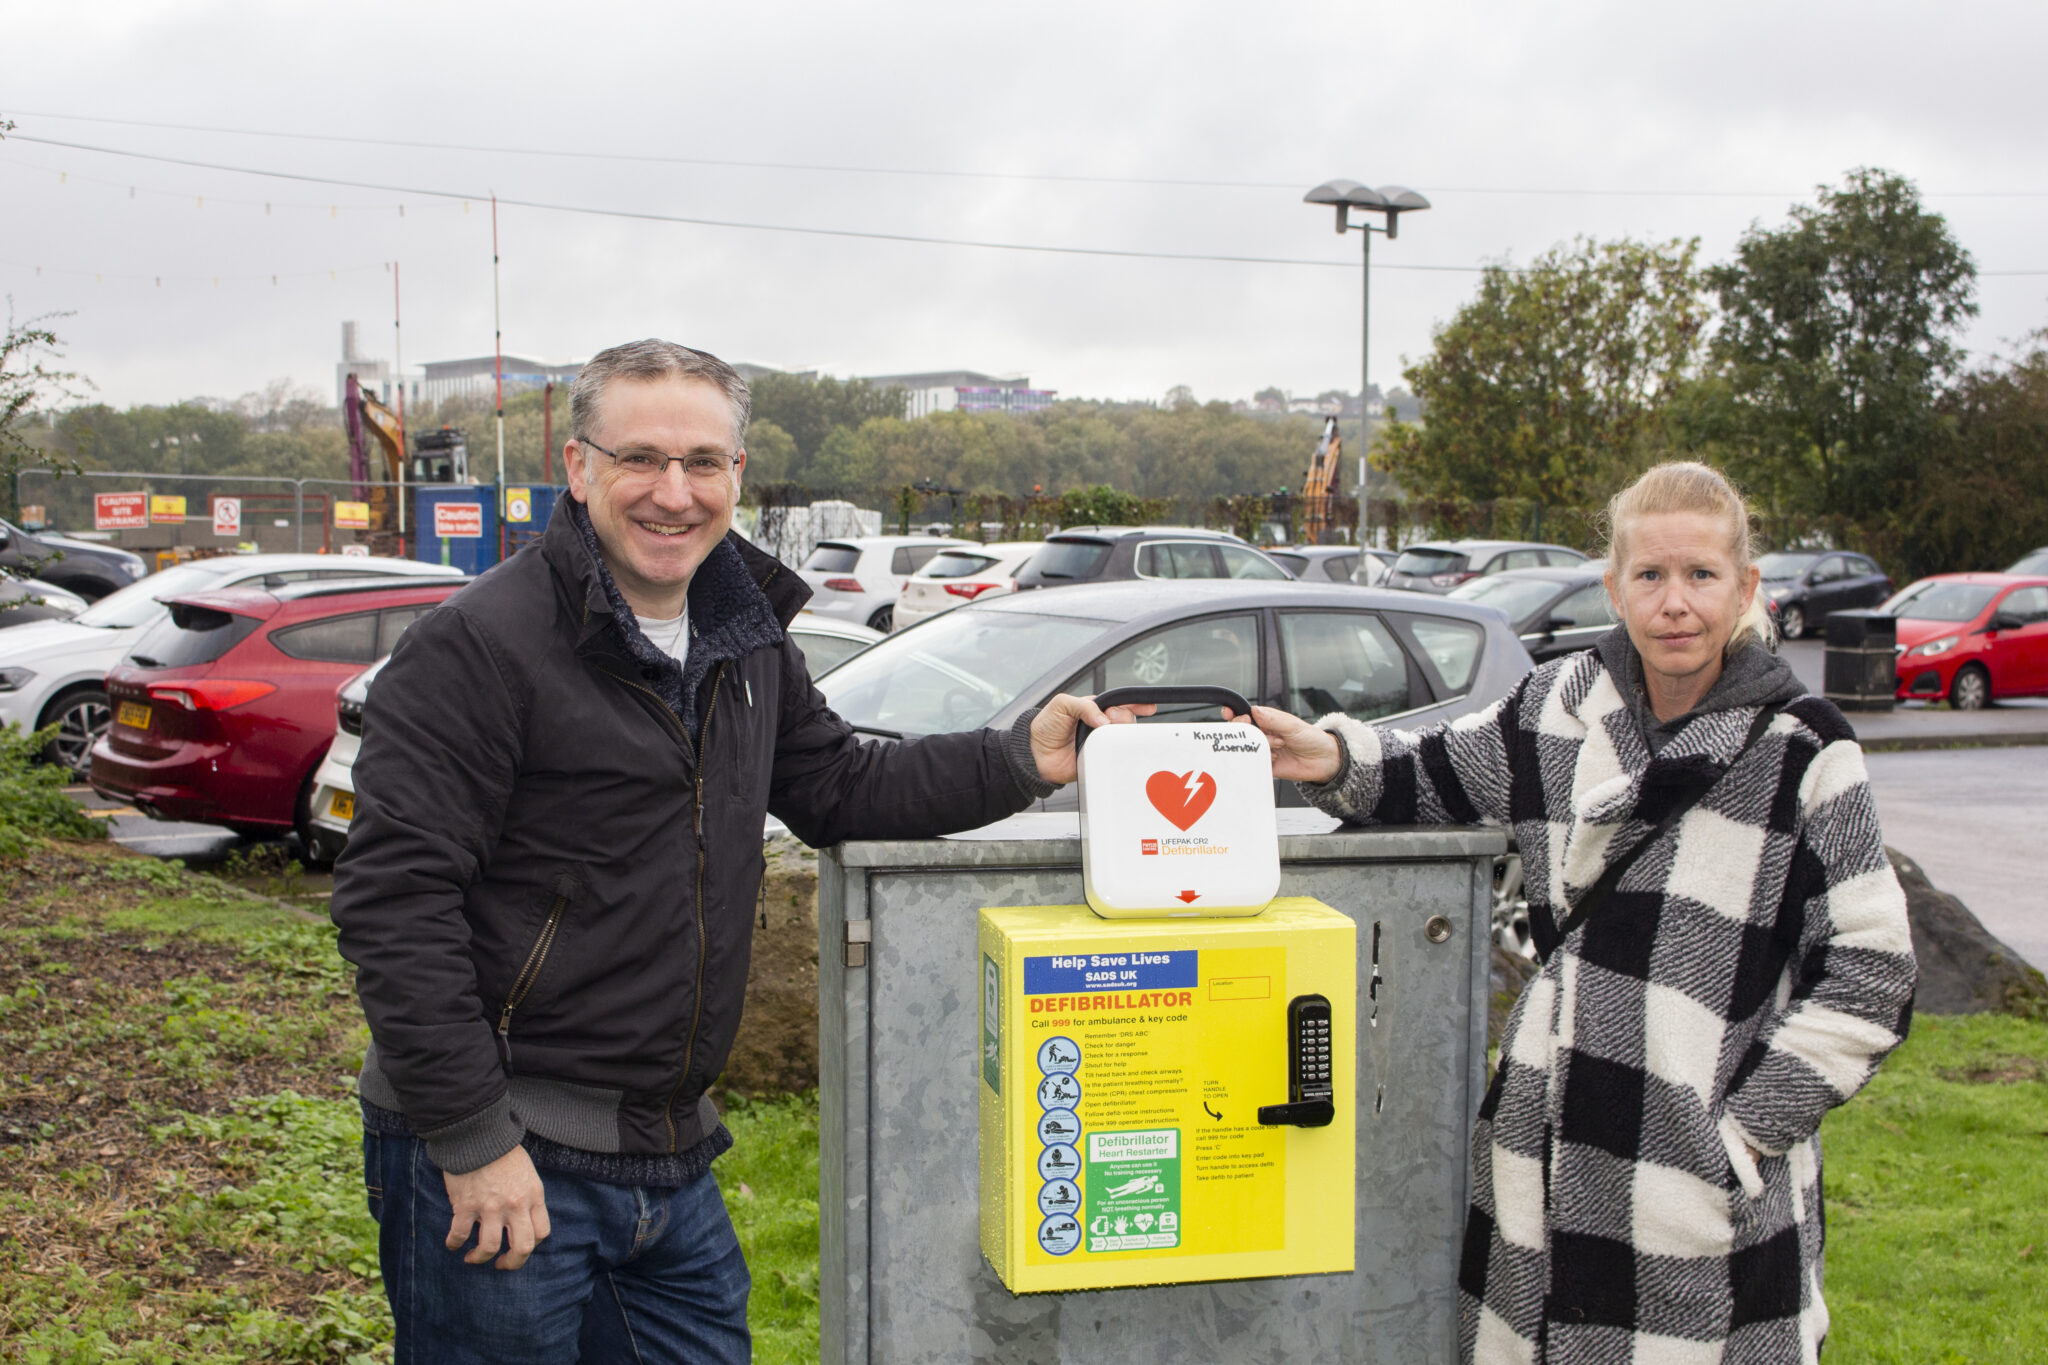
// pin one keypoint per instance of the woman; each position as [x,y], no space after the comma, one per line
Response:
[1646,1166]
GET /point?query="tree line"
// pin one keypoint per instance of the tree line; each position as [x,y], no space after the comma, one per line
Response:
[1820,367]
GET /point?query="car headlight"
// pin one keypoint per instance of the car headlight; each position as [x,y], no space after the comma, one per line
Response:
[1777,594]
[1934,647]
[14,679]
[132,567]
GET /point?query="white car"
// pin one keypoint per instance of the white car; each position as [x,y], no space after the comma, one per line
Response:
[29,593]
[860,579]
[826,644]
[54,672]
[966,573]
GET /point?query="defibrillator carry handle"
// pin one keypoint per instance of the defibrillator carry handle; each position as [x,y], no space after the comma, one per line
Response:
[1167,696]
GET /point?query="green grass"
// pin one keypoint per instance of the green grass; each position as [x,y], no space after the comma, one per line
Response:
[770,1180]
[180,1174]
[180,1160]
[1937,1190]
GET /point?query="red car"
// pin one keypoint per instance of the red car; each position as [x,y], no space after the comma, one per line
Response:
[1972,638]
[223,710]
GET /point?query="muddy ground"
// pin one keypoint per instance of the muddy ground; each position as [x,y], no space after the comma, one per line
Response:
[777,1048]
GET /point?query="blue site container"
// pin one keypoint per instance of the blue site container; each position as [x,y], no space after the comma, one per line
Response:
[456,524]
[473,544]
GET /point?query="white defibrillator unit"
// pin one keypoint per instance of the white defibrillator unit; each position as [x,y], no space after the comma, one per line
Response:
[1177,819]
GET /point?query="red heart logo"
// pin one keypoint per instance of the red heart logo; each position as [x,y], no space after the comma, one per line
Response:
[1181,797]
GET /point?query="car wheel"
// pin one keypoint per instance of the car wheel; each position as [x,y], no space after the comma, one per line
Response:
[883,620]
[81,717]
[1971,691]
[1792,622]
[1150,663]
[1511,907]
[312,849]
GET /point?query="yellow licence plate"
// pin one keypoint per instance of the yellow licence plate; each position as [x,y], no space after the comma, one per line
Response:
[342,806]
[134,715]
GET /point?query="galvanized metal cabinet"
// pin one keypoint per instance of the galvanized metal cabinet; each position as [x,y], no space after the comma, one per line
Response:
[902,1275]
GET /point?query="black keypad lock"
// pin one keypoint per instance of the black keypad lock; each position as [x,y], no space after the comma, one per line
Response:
[1311,1088]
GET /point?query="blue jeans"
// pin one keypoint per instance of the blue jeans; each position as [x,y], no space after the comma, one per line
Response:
[627,1274]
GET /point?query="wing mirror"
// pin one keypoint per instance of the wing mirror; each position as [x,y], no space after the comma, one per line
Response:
[1558,623]
[2005,620]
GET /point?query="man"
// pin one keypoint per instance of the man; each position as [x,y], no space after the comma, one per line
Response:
[549,886]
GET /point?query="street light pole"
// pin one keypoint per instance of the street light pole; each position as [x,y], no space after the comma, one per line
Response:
[1393,201]
[1364,391]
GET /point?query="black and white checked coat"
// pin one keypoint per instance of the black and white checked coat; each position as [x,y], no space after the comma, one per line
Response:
[1748,975]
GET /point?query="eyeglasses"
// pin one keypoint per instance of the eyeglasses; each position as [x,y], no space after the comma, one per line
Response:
[705,470]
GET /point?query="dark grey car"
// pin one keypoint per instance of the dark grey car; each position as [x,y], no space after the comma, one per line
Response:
[1440,565]
[1303,647]
[91,571]
[1554,611]
[1804,587]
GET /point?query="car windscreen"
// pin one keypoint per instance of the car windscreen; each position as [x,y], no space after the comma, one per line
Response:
[956,564]
[1425,562]
[823,653]
[2036,562]
[953,672]
[1940,601]
[1066,560]
[1785,564]
[189,636]
[829,558]
[1515,596]
[137,603]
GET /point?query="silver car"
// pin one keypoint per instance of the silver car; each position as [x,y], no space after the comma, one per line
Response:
[1307,648]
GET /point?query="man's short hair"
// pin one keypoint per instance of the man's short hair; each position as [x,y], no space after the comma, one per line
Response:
[647,361]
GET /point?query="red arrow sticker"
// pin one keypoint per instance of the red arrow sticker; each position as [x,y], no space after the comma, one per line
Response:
[1181,797]
[1189,897]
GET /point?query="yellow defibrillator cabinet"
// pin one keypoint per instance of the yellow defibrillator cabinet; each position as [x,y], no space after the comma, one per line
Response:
[1166,1100]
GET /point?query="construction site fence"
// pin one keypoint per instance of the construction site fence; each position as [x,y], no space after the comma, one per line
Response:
[285,514]
[275,514]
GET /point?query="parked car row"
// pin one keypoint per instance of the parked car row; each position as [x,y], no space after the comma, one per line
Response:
[53,672]
[889,582]
[234,690]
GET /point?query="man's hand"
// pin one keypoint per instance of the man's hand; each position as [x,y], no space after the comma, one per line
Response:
[1301,753]
[1052,733]
[500,1201]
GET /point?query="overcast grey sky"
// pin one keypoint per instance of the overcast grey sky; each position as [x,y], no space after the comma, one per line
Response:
[1688,121]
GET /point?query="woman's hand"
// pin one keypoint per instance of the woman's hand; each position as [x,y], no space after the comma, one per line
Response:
[1301,753]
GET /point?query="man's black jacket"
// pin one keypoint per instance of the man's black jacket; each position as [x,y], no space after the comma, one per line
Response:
[549,885]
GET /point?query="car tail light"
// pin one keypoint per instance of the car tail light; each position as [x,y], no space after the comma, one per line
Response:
[968,590]
[1450,580]
[210,694]
[843,584]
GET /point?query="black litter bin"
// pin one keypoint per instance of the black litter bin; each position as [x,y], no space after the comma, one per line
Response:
[1861,663]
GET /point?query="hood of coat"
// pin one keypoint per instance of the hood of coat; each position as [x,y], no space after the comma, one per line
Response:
[1752,676]
[1621,785]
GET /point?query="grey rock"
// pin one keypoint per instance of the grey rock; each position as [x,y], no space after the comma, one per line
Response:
[1964,969]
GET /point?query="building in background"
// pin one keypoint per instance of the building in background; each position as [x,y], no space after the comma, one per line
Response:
[374,375]
[475,377]
[969,391]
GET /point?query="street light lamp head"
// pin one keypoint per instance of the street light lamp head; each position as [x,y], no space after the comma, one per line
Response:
[1399,199]
[1345,195]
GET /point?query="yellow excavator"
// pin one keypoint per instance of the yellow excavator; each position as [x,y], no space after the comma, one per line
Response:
[1321,480]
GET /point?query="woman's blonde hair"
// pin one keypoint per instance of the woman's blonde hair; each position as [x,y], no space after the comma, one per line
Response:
[1688,486]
